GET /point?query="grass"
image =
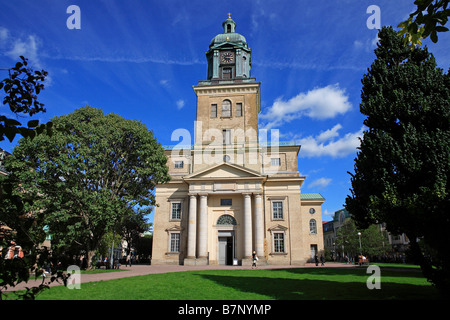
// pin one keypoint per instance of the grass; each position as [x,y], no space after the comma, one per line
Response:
[280,284]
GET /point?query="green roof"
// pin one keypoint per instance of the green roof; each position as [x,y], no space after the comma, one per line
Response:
[311,196]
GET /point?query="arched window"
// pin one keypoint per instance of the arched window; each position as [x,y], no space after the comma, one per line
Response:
[312,226]
[226,108]
[226,219]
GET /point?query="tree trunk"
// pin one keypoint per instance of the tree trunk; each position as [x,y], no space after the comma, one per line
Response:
[434,275]
[90,255]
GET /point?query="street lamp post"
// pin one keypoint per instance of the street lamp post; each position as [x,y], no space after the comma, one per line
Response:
[360,247]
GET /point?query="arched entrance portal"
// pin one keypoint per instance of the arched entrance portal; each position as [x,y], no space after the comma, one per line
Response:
[226,239]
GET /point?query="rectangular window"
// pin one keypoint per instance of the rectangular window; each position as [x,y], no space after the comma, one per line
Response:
[277,210]
[174,242]
[238,109]
[176,211]
[227,73]
[226,202]
[278,242]
[214,111]
[276,162]
[178,164]
[226,136]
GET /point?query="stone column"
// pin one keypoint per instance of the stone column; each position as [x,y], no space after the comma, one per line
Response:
[247,226]
[203,227]
[259,226]
[192,226]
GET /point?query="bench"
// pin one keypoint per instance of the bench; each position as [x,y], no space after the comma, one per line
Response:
[362,261]
[107,265]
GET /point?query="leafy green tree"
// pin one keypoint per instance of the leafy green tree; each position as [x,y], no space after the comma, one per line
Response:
[402,167]
[424,21]
[20,92]
[133,224]
[144,246]
[81,177]
[374,241]
[347,240]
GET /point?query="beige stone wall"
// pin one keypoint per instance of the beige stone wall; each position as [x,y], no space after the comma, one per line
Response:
[309,238]
[165,194]
[286,191]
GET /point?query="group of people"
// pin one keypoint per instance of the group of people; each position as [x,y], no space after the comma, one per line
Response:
[322,260]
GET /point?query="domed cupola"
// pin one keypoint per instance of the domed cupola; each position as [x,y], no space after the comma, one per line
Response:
[229,57]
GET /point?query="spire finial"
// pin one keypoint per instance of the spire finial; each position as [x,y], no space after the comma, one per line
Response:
[229,15]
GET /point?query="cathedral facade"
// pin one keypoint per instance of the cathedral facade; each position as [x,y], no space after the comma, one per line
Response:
[229,194]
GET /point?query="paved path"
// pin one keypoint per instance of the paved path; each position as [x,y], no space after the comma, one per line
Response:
[140,270]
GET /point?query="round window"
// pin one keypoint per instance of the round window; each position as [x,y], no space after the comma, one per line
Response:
[312,210]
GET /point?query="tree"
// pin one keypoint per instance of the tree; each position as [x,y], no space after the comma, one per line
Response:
[373,241]
[133,224]
[82,176]
[347,239]
[21,89]
[424,21]
[402,166]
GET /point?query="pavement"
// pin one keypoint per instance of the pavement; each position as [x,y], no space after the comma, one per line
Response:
[140,270]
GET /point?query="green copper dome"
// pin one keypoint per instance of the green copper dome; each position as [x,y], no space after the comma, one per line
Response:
[229,57]
[228,35]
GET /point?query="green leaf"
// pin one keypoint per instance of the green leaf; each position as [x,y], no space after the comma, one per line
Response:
[33,123]
[433,36]
[12,122]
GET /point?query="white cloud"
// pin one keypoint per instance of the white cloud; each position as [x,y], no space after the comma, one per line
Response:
[321,182]
[180,104]
[319,103]
[368,45]
[327,216]
[164,82]
[325,143]
[4,35]
[329,134]
[27,48]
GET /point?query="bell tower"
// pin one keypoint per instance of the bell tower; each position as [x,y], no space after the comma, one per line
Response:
[229,57]
[228,103]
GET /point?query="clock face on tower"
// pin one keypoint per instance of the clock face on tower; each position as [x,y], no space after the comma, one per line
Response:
[227,57]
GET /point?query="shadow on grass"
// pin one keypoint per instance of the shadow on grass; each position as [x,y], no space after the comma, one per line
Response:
[318,289]
[357,271]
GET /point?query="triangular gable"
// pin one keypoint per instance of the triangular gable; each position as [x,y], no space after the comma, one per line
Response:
[278,227]
[224,170]
[229,44]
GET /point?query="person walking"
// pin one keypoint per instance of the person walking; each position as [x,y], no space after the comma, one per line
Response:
[322,260]
[254,258]
[128,260]
[316,260]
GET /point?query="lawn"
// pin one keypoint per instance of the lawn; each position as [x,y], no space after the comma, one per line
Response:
[281,284]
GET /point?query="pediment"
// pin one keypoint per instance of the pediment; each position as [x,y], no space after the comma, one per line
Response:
[174,229]
[224,171]
[278,227]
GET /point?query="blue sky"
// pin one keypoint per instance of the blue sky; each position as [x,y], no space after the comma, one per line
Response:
[140,59]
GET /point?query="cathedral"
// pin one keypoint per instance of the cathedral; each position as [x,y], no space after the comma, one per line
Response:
[231,195]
